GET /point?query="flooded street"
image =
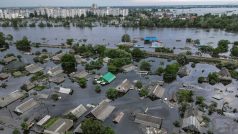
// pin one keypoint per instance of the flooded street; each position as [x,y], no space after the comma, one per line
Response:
[130,102]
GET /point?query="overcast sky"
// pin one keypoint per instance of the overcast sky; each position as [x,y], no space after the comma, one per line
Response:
[27,3]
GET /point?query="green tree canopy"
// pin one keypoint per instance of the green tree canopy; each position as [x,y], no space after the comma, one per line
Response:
[90,126]
[126,38]
[112,93]
[24,44]
[68,63]
[145,66]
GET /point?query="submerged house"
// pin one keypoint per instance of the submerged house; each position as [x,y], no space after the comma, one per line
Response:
[128,68]
[11,97]
[107,78]
[55,71]
[148,120]
[32,68]
[4,76]
[27,105]
[57,57]
[9,59]
[156,92]
[78,75]
[60,126]
[78,111]
[125,86]
[191,124]
[149,40]
[225,76]
[102,110]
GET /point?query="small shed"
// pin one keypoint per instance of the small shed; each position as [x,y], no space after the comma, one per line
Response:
[43,120]
[118,117]
[64,90]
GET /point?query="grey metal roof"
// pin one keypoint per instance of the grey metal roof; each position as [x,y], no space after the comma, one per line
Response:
[192,124]
[102,110]
[148,120]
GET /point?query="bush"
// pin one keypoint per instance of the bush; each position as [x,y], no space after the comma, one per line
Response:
[145,66]
[91,126]
[112,93]
[55,97]
[170,72]
[164,50]
[185,96]
[201,79]
[68,63]
[160,71]
[16,131]
[138,84]
[97,89]
[126,38]
[176,124]
[23,45]
[143,92]
[82,82]
[213,78]
[182,59]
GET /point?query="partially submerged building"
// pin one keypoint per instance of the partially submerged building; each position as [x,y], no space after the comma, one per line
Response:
[107,78]
[79,59]
[43,120]
[118,117]
[78,75]
[225,76]
[25,106]
[64,90]
[4,76]
[58,57]
[183,71]
[11,97]
[125,86]
[78,111]
[148,120]
[33,68]
[9,59]
[55,71]
[156,92]
[191,124]
[150,39]
[60,126]
[102,110]
[57,79]
[128,68]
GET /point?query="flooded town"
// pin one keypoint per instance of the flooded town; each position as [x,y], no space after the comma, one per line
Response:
[119,70]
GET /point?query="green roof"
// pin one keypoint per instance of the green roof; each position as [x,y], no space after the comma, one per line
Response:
[108,77]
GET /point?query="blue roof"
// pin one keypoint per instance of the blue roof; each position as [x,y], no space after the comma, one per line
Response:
[151,38]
